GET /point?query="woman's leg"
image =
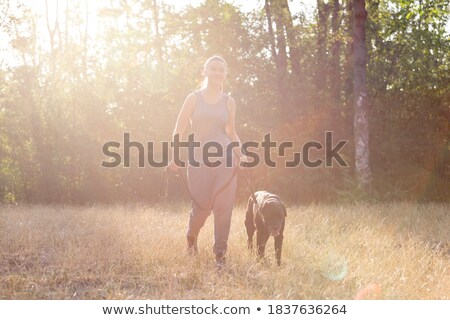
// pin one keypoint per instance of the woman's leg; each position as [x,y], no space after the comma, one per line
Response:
[201,180]
[223,206]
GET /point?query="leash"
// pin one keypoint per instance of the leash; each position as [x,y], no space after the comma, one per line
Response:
[164,185]
[252,193]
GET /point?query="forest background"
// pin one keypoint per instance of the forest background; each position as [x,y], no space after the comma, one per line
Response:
[74,75]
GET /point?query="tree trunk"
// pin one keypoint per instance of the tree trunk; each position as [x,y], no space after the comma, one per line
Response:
[270,28]
[159,44]
[51,32]
[278,48]
[294,52]
[361,119]
[335,55]
[334,116]
[281,57]
[280,36]
[349,51]
[322,61]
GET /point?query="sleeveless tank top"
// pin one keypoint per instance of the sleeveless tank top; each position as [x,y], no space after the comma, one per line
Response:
[208,124]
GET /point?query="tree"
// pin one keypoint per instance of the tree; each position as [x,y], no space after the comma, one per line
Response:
[283,38]
[323,11]
[361,118]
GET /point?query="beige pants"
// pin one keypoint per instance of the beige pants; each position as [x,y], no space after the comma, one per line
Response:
[207,188]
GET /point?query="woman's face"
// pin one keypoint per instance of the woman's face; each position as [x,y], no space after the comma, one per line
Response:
[216,71]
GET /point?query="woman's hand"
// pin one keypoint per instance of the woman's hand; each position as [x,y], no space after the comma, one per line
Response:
[243,159]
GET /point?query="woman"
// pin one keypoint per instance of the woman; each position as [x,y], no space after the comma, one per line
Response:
[212,116]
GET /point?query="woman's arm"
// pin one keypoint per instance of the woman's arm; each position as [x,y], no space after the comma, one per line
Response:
[230,128]
[182,122]
[184,116]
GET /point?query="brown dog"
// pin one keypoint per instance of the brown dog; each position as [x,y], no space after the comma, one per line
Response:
[266,215]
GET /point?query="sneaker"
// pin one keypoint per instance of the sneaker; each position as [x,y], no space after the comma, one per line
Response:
[220,261]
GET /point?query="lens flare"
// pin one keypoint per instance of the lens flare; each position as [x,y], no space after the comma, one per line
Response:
[334,267]
[371,291]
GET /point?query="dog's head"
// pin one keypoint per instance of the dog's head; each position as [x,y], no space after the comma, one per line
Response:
[273,214]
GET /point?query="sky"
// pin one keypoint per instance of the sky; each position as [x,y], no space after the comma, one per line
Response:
[305,6]
[246,5]
[39,7]
[295,6]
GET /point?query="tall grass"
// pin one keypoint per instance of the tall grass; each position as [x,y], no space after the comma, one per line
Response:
[376,251]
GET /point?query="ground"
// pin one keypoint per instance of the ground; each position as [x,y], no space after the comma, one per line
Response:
[363,251]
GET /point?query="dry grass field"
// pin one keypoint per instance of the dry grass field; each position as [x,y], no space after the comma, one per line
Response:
[366,251]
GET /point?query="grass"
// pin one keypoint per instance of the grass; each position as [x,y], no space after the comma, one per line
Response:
[368,251]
